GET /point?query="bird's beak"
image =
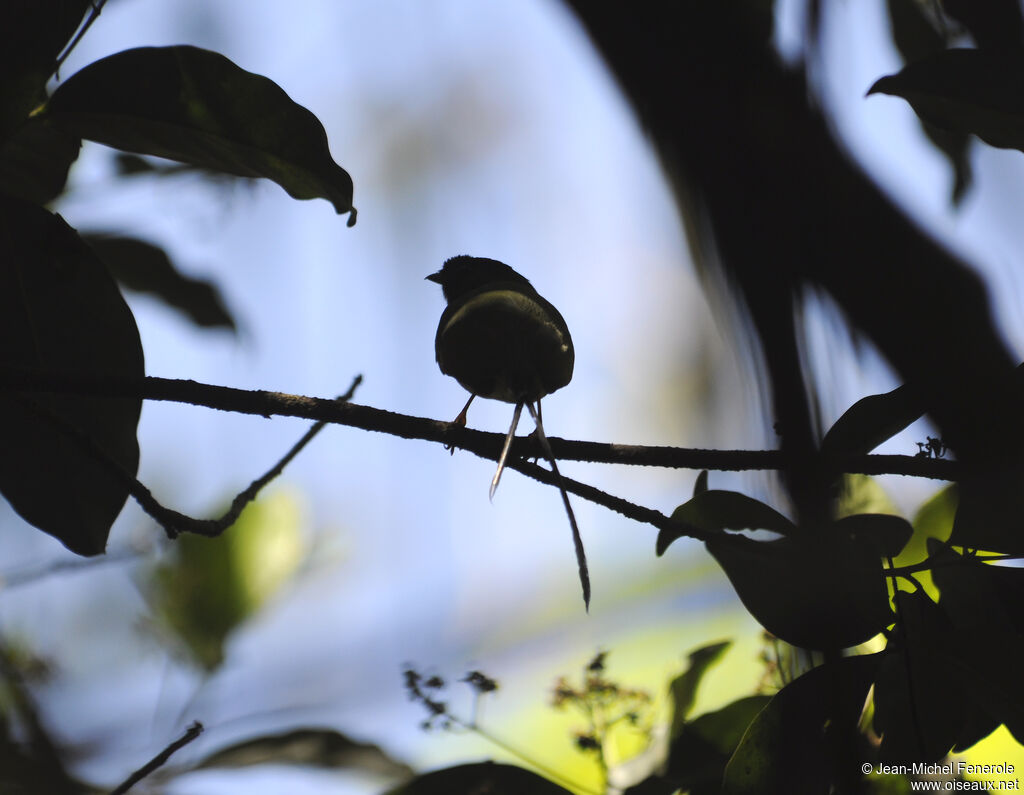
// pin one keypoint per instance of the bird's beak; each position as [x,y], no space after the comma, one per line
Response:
[434,277]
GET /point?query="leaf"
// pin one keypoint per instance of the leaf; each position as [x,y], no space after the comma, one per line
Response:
[717,510]
[61,312]
[483,778]
[822,592]
[920,698]
[886,534]
[863,494]
[994,23]
[146,268]
[967,91]
[700,485]
[35,160]
[652,785]
[787,747]
[983,604]
[698,756]
[989,511]
[196,106]
[32,37]
[683,689]
[210,586]
[916,36]
[871,421]
[308,747]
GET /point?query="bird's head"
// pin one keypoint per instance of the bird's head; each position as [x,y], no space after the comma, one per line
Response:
[463,274]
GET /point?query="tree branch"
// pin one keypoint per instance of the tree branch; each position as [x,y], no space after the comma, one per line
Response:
[94,13]
[484,444]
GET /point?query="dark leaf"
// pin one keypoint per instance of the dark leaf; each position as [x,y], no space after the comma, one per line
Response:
[915,32]
[987,644]
[652,785]
[934,519]
[967,91]
[683,689]
[314,747]
[979,724]
[918,34]
[822,592]
[698,756]
[886,534]
[145,268]
[717,510]
[700,485]
[989,513]
[994,23]
[920,696]
[870,421]
[129,165]
[32,36]
[60,311]
[196,106]
[484,778]
[35,160]
[788,747]
[956,147]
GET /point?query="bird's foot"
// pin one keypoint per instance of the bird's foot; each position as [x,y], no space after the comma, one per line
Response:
[461,422]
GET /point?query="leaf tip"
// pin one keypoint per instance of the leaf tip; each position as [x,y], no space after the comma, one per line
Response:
[882,85]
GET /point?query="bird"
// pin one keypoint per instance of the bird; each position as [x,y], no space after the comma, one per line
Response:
[500,339]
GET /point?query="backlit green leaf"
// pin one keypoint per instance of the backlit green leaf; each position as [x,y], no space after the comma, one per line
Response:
[698,756]
[210,586]
[787,747]
[683,689]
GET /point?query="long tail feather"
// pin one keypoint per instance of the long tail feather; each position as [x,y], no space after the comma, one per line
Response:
[504,450]
[577,539]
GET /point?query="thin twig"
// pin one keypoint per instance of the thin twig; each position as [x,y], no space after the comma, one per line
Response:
[174,522]
[160,759]
[30,575]
[97,8]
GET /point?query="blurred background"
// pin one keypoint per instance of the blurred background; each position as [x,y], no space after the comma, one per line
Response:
[469,128]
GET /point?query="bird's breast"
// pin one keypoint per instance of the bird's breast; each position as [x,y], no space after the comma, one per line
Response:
[506,345]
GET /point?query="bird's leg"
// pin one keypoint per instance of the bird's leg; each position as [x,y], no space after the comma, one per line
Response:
[577,539]
[504,450]
[460,421]
[534,434]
